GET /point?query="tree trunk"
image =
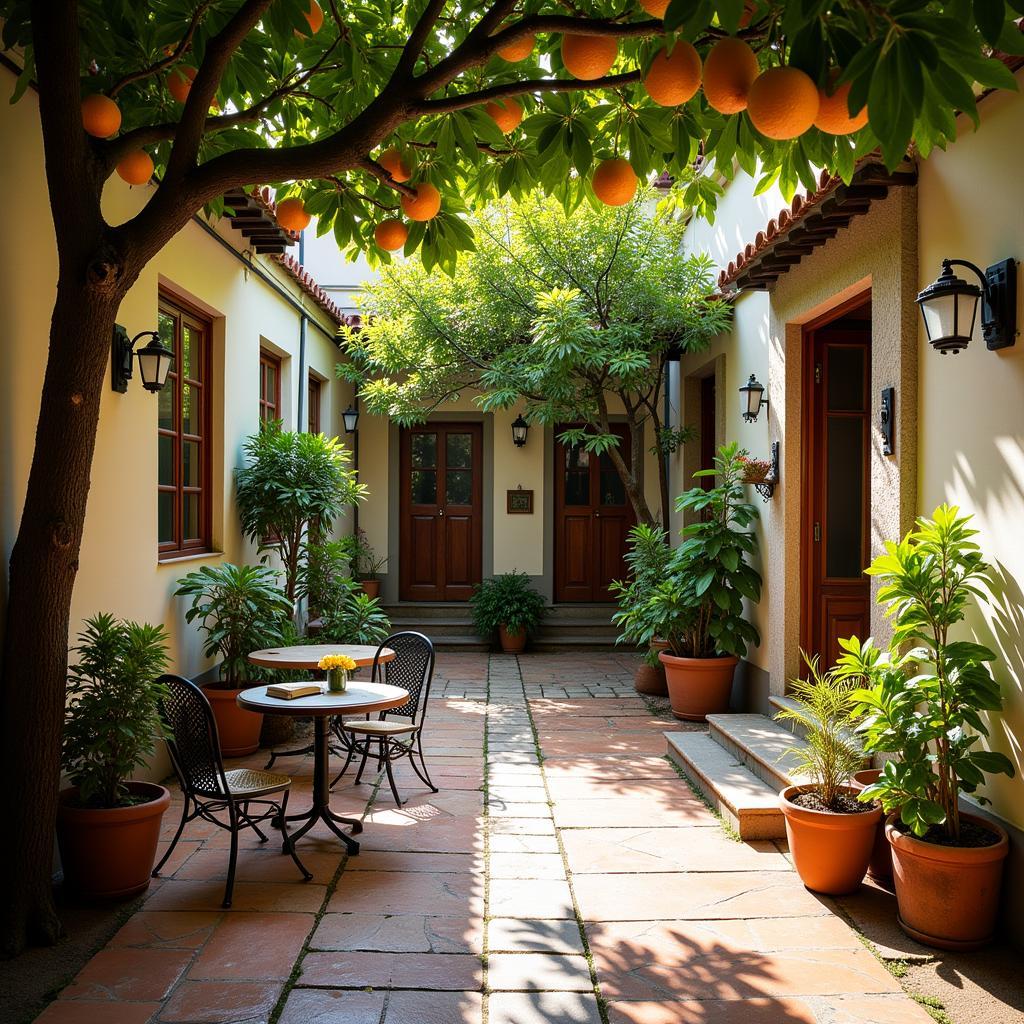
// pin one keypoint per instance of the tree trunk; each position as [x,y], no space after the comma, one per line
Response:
[43,566]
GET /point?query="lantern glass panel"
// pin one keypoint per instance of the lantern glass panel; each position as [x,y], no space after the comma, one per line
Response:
[940,316]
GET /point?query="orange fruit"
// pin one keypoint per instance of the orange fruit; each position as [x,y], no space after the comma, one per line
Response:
[101,116]
[519,50]
[291,214]
[783,103]
[179,81]
[834,111]
[390,234]
[506,114]
[424,205]
[729,71]
[396,164]
[136,168]
[674,76]
[589,57]
[614,182]
[656,8]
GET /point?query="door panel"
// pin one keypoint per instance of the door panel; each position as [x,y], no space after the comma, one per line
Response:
[441,529]
[592,519]
[837,436]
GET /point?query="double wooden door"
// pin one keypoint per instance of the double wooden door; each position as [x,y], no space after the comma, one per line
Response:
[440,555]
[593,517]
[837,487]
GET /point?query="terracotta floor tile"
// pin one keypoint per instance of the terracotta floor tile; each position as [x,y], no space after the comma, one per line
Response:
[254,946]
[533,898]
[523,844]
[64,1011]
[262,864]
[411,892]
[498,808]
[169,929]
[412,860]
[326,1006]
[136,975]
[302,897]
[436,971]
[522,826]
[857,1009]
[527,865]
[221,1002]
[538,972]
[713,1011]
[434,1008]
[542,1008]
[596,766]
[402,933]
[630,812]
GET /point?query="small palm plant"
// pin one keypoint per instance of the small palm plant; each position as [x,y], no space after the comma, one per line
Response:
[824,712]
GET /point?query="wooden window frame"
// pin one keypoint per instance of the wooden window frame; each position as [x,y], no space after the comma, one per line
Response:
[268,407]
[180,546]
[314,394]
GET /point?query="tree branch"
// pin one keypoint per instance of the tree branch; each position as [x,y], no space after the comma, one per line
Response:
[372,167]
[418,39]
[509,89]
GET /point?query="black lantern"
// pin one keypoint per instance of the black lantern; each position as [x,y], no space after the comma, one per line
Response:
[350,417]
[753,399]
[154,360]
[520,428]
[949,306]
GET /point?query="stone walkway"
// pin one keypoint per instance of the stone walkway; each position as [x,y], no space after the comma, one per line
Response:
[564,874]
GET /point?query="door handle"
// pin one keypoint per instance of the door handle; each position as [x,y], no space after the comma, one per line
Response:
[440,512]
[597,515]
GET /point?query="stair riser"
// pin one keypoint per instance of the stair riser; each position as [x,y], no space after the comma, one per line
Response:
[774,775]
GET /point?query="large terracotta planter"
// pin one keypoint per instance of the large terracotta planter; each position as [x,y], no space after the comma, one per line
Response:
[239,730]
[830,851]
[371,588]
[108,853]
[698,687]
[880,865]
[650,680]
[512,643]
[948,895]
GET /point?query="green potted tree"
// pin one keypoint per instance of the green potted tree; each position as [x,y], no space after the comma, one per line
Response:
[108,825]
[367,564]
[924,703]
[240,608]
[698,607]
[353,617]
[507,604]
[831,833]
[648,560]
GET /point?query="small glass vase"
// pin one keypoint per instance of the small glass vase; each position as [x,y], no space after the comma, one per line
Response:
[337,680]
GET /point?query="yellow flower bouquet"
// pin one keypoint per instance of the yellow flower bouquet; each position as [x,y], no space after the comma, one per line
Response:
[337,667]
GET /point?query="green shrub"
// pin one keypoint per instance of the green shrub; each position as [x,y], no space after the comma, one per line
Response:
[507,600]
[648,559]
[356,618]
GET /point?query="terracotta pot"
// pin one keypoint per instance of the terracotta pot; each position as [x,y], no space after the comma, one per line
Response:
[650,680]
[371,588]
[880,865]
[512,643]
[830,851]
[108,853]
[948,895]
[238,729]
[698,687]
[657,644]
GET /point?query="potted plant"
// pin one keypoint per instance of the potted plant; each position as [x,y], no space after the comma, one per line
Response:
[367,564]
[648,559]
[509,605]
[108,825]
[924,703]
[698,607]
[353,617]
[241,609]
[880,864]
[831,833]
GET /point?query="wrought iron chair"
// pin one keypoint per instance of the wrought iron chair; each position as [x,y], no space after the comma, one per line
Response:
[207,788]
[388,741]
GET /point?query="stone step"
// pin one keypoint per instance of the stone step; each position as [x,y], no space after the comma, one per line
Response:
[758,742]
[746,803]
[783,702]
[566,641]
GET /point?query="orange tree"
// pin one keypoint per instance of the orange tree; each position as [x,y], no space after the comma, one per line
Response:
[221,94]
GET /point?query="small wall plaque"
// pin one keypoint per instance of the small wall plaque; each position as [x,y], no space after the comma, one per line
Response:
[520,502]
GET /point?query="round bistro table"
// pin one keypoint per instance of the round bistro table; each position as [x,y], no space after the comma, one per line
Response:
[358,699]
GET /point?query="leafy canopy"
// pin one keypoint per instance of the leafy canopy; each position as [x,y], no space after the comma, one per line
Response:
[289,105]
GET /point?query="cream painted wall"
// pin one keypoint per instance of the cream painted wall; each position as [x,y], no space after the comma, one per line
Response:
[971,427]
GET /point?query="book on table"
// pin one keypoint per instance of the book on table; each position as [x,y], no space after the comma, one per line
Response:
[289,691]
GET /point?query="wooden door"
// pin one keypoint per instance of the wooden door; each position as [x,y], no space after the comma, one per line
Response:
[441,530]
[837,487]
[592,519]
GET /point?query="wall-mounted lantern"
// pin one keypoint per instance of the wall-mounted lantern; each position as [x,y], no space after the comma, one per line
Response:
[154,360]
[752,397]
[350,417]
[520,428]
[949,306]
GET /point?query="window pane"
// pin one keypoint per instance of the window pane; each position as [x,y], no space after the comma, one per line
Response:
[844,497]
[576,457]
[845,379]
[459,451]
[424,451]
[460,487]
[191,340]
[191,400]
[577,488]
[165,404]
[190,469]
[166,453]
[165,324]
[613,492]
[424,487]
[165,516]
[191,526]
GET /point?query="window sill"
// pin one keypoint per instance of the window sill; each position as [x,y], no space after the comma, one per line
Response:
[195,557]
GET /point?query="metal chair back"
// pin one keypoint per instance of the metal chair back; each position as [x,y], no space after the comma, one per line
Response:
[192,741]
[412,669]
